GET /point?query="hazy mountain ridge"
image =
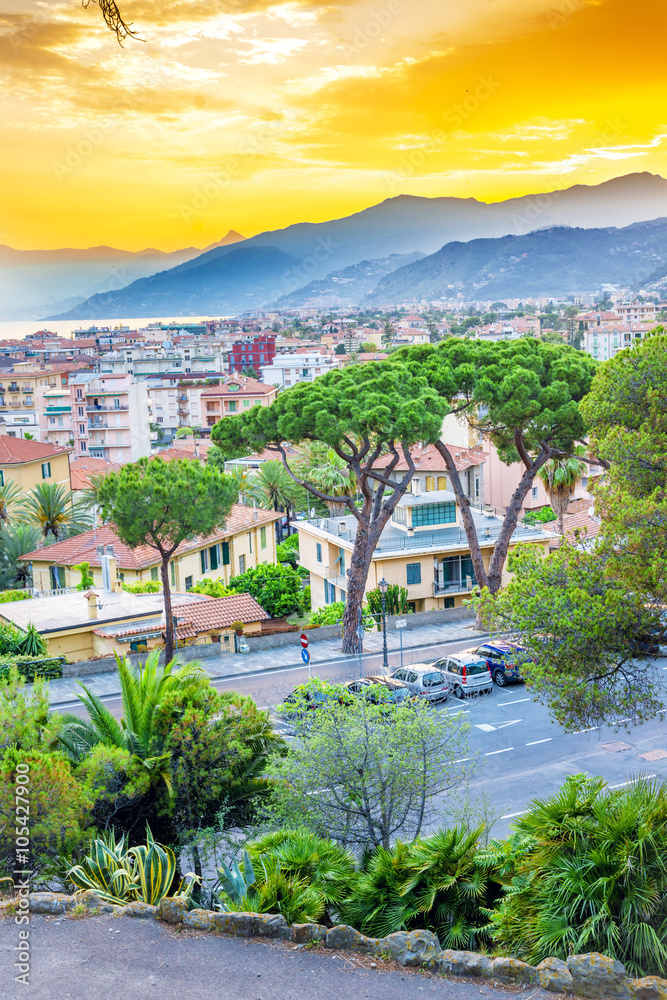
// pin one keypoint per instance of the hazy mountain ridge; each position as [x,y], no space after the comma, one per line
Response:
[557,261]
[346,287]
[400,225]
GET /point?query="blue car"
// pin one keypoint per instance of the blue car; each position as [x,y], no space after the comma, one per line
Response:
[504,660]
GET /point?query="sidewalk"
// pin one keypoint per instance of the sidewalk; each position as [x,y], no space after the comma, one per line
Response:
[238,665]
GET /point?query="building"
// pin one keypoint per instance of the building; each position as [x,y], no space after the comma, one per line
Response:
[26,406]
[253,353]
[31,463]
[431,471]
[636,312]
[289,369]
[104,621]
[424,548]
[605,340]
[110,417]
[235,395]
[149,360]
[247,539]
[84,469]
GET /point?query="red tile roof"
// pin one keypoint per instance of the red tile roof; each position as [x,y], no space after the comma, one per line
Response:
[203,616]
[17,451]
[428,459]
[82,469]
[185,449]
[83,548]
[251,386]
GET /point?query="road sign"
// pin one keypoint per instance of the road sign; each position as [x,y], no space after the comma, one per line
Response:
[305,656]
[304,640]
[401,624]
[360,632]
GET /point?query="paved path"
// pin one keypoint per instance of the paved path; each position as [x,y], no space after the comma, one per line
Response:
[328,651]
[106,958]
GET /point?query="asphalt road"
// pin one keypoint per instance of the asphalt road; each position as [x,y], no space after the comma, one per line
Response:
[518,751]
[103,958]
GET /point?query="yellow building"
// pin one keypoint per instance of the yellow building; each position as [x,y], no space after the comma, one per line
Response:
[29,463]
[103,622]
[424,548]
[247,540]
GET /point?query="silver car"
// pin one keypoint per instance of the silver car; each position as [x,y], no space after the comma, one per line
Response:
[424,680]
[466,673]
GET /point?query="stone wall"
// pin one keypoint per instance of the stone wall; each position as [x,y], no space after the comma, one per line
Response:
[107,664]
[591,976]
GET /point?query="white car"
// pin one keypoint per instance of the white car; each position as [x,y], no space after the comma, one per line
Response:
[466,673]
[424,680]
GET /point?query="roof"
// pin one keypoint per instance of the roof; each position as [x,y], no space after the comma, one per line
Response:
[245,385]
[18,451]
[82,469]
[202,616]
[185,449]
[578,518]
[83,548]
[428,459]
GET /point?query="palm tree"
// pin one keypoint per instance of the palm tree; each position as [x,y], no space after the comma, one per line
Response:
[273,488]
[244,481]
[15,542]
[142,692]
[322,467]
[560,476]
[10,503]
[56,511]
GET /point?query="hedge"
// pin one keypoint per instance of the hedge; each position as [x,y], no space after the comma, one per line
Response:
[14,595]
[29,667]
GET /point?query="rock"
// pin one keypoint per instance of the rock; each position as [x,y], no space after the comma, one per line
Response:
[273,925]
[304,933]
[410,948]
[173,909]
[650,988]
[513,970]
[138,909]
[343,936]
[91,900]
[393,945]
[464,963]
[200,920]
[243,924]
[554,976]
[52,902]
[596,976]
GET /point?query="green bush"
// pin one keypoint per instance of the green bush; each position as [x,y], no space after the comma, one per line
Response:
[541,516]
[396,601]
[14,595]
[276,588]
[214,588]
[332,614]
[30,668]
[287,551]
[589,875]
[143,587]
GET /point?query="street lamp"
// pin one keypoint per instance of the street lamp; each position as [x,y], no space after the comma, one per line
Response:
[383,587]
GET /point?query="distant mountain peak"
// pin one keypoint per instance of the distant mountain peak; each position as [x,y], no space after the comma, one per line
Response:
[231,237]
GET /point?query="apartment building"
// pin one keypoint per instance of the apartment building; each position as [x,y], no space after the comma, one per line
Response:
[636,312]
[431,472]
[30,463]
[604,341]
[151,360]
[289,369]
[110,417]
[236,394]
[252,353]
[23,406]
[423,548]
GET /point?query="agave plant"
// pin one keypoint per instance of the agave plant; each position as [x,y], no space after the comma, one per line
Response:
[270,891]
[120,875]
[32,643]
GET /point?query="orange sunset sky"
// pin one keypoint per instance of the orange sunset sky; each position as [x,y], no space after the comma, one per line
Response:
[253,115]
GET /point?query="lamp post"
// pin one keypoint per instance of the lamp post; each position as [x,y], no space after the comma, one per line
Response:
[383,586]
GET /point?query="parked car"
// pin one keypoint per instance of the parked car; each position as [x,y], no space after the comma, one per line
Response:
[425,680]
[465,673]
[372,686]
[504,660]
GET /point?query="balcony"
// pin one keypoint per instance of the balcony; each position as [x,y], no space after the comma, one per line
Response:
[453,587]
[53,410]
[105,409]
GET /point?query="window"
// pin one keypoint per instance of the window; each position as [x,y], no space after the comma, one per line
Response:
[534,492]
[241,564]
[250,541]
[433,513]
[82,430]
[214,555]
[57,574]
[80,411]
[262,538]
[2,478]
[329,592]
[82,446]
[203,558]
[341,561]
[318,551]
[225,554]
[232,406]
[414,573]
[430,483]
[246,402]
[46,470]
[153,572]
[188,583]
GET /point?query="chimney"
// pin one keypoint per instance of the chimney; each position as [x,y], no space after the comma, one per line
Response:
[91,597]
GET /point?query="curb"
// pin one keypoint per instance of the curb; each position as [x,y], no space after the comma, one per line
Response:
[590,976]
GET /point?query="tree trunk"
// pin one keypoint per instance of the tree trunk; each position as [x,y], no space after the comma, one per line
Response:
[169,621]
[463,503]
[279,523]
[357,575]
[512,511]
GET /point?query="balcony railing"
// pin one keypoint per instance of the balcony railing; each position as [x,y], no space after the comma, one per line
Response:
[447,538]
[453,587]
[105,409]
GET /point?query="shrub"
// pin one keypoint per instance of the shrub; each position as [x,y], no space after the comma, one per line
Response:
[287,551]
[330,614]
[590,875]
[269,891]
[87,580]
[541,516]
[6,596]
[118,785]
[276,588]
[143,587]
[30,668]
[396,601]
[214,588]
[24,716]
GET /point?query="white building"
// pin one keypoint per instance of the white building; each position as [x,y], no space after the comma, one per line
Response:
[636,312]
[604,341]
[110,417]
[288,369]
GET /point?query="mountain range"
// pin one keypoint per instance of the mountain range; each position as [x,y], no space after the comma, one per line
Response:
[230,279]
[558,261]
[35,281]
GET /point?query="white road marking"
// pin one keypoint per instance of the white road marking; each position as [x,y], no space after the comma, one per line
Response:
[511,815]
[619,721]
[535,742]
[517,702]
[492,752]
[488,728]
[580,731]
[632,781]
[485,727]
[461,760]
